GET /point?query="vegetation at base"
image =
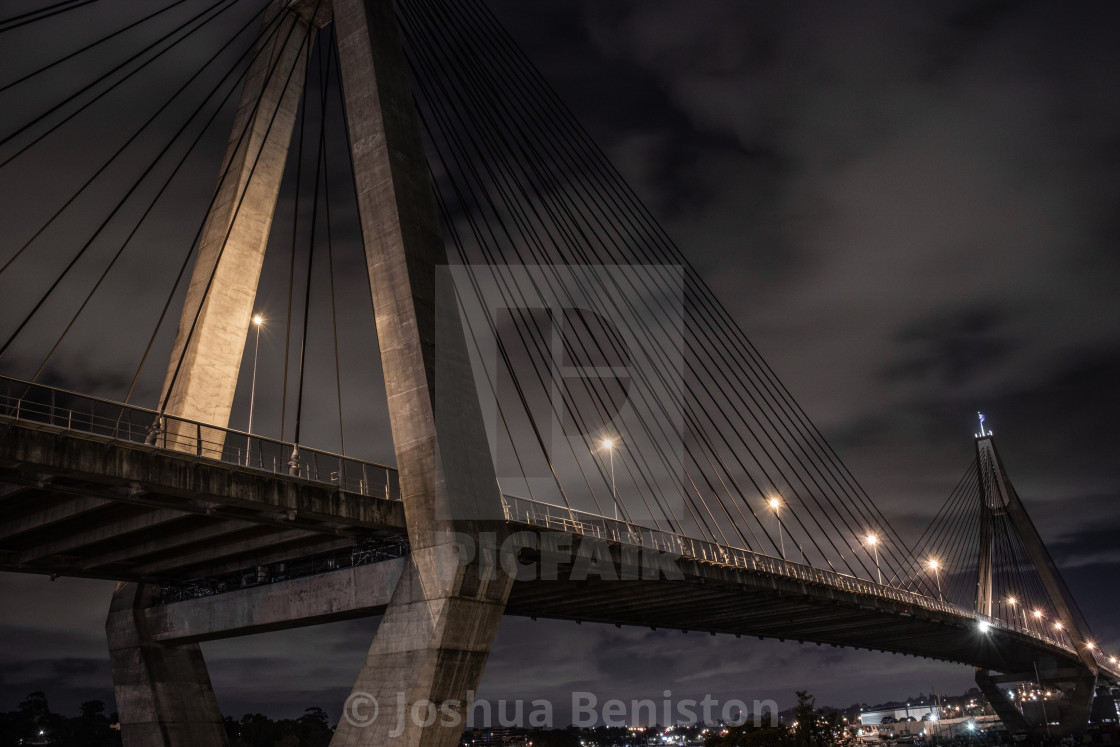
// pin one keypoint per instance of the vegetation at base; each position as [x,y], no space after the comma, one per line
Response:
[312,729]
[35,723]
[811,728]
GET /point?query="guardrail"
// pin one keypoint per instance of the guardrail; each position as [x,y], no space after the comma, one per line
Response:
[35,403]
[560,518]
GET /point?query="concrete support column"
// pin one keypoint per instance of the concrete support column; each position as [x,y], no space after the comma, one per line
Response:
[433,641]
[204,386]
[163,691]
[1011,716]
[1077,703]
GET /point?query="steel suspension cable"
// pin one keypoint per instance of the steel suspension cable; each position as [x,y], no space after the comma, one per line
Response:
[81,252]
[89,46]
[527,233]
[292,258]
[325,73]
[567,347]
[143,65]
[549,140]
[152,204]
[709,303]
[824,554]
[119,151]
[568,226]
[24,19]
[320,154]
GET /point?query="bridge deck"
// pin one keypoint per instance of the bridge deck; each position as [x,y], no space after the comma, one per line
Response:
[709,599]
[82,504]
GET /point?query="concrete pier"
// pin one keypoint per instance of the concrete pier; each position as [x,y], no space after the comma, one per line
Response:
[433,641]
[163,691]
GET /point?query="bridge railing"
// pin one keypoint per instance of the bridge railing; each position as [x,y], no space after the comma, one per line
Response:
[560,518]
[58,408]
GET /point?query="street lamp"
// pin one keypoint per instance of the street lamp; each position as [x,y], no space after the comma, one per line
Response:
[608,444]
[1037,615]
[935,566]
[1013,601]
[775,504]
[258,320]
[873,540]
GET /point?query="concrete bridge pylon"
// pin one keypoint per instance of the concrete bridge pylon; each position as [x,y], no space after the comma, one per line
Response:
[432,643]
[1077,685]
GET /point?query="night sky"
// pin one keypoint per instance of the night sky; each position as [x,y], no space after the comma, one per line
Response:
[911,208]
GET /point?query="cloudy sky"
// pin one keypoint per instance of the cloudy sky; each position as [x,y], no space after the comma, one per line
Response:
[910,208]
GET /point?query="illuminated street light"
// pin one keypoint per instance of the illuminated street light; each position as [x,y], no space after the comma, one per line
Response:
[608,444]
[1058,625]
[1013,601]
[873,540]
[935,566]
[775,505]
[258,321]
[983,626]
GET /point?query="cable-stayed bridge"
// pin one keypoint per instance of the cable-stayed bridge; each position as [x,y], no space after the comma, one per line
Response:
[579,428]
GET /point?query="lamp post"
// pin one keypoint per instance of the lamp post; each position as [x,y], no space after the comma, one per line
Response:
[1014,602]
[258,320]
[775,505]
[608,444]
[873,540]
[935,566]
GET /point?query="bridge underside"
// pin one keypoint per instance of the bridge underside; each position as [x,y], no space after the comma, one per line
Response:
[80,506]
[710,599]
